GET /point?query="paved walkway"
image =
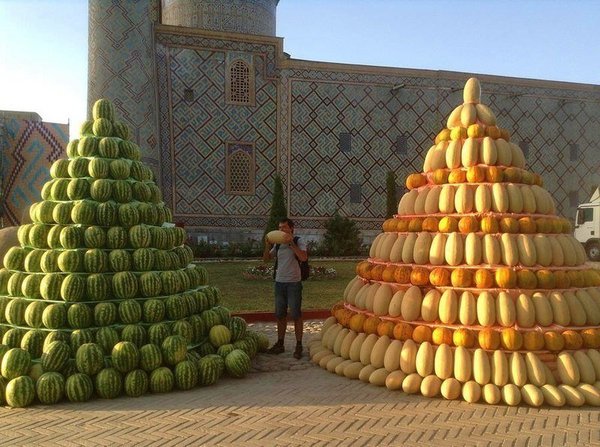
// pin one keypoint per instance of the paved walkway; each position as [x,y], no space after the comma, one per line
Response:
[286,402]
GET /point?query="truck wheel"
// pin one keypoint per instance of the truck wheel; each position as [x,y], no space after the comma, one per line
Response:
[593,251]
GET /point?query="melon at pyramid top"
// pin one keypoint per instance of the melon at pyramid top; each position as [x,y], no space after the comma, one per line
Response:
[475,288]
[101,296]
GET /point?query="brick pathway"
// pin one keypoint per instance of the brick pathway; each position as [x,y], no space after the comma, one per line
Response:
[285,402]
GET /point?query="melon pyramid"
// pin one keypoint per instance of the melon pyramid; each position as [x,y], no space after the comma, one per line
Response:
[101,297]
[476,289]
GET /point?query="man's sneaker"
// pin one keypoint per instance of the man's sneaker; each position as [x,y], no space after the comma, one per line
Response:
[298,352]
[277,348]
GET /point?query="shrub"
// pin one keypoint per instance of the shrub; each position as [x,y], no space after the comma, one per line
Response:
[342,237]
[391,201]
[278,210]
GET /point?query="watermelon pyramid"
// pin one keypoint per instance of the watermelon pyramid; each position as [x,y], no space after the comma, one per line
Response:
[101,298]
[475,289]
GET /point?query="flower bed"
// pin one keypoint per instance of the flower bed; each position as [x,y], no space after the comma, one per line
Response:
[265,271]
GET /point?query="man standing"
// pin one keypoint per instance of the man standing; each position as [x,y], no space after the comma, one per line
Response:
[288,285]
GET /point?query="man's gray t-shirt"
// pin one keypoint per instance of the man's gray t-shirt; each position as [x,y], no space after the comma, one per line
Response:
[288,269]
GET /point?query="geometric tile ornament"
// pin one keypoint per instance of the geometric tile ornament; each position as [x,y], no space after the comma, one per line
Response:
[296,131]
[28,150]
[99,298]
[476,288]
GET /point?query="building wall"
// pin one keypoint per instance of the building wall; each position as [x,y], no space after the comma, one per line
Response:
[28,150]
[302,107]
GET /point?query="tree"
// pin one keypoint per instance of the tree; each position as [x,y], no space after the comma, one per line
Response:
[342,237]
[391,202]
[278,210]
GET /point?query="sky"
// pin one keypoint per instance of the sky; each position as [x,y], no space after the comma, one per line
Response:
[43,43]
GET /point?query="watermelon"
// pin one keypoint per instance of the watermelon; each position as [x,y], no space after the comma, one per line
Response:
[106,214]
[176,308]
[150,357]
[70,261]
[156,197]
[14,259]
[97,287]
[143,260]
[153,311]
[94,237]
[3,350]
[71,236]
[87,147]
[46,191]
[262,342]
[15,312]
[103,108]
[107,338]
[136,383]
[198,327]
[201,300]
[105,314]
[248,345]
[237,326]
[128,215]
[134,333]
[49,261]
[179,236]
[3,303]
[102,127]
[16,362]
[55,316]
[55,336]
[150,284]
[54,236]
[34,312]
[162,260]
[130,311]
[79,337]
[98,168]
[125,356]
[224,314]
[148,214]
[72,288]
[185,329]
[210,318]
[190,303]
[120,260]
[20,392]
[109,383]
[78,189]
[15,283]
[79,387]
[174,349]
[12,337]
[158,332]
[170,283]
[62,213]
[139,236]
[116,237]
[219,335]
[86,128]
[70,368]
[125,285]
[121,130]
[55,356]
[205,347]
[44,212]
[186,375]
[78,167]
[121,191]
[209,371]
[141,191]
[101,190]
[30,288]
[225,349]
[33,342]
[109,147]
[23,234]
[38,238]
[161,380]
[35,371]
[59,191]
[89,358]
[130,150]
[95,260]
[141,172]
[80,316]
[50,388]
[237,363]
[72,148]
[119,169]
[84,212]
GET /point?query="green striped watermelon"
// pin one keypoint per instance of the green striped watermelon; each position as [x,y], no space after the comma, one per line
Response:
[78,189]
[30,288]
[219,335]
[94,237]
[15,283]
[60,189]
[116,237]
[119,169]
[38,238]
[143,260]
[44,212]
[205,347]
[72,288]
[201,300]
[107,338]
[150,284]
[108,383]
[139,236]
[102,127]
[107,214]
[190,303]
[210,318]
[170,282]
[130,150]
[54,235]
[55,356]
[186,375]
[95,260]
[72,148]
[80,316]
[35,371]
[237,326]
[84,212]
[198,327]
[89,358]
[97,287]
[46,191]
[125,356]
[78,167]
[87,147]
[55,336]
[34,312]
[79,387]
[128,215]
[103,108]
[153,311]
[120,260]
[174,349]
[86,129]
[141,191]
[109,147]
[150,357]
[62,213]
[136,383]
[70,368]
[20,392]
[55,316]
[209,371]
[162,260]
[125,285]
[79,337]
[224,350]
[176,308]
[121,191]
[15,312]
[224,314]
[184,329]
[120,130]
[14,259]
[16,362]
[158,332]
[49,261]
[12,337]
[33,342]
[101,190]
[70,261]
[50,388]
[98,169]
[134,333]
[156,197]
[130,311]
[162,380]
[148,214]
[105,314]
[237,363]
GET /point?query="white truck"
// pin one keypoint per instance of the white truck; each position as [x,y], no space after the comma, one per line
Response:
[587,226]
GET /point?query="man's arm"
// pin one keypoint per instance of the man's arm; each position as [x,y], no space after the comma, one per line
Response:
[300,254]
[267,255]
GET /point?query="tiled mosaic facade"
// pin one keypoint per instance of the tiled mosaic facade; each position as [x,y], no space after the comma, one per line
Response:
[121,66]
[301,108]
[28,149]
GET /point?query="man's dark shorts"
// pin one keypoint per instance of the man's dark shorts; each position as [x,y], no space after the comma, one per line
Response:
[288,294]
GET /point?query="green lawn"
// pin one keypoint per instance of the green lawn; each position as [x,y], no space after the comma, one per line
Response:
[239,294]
